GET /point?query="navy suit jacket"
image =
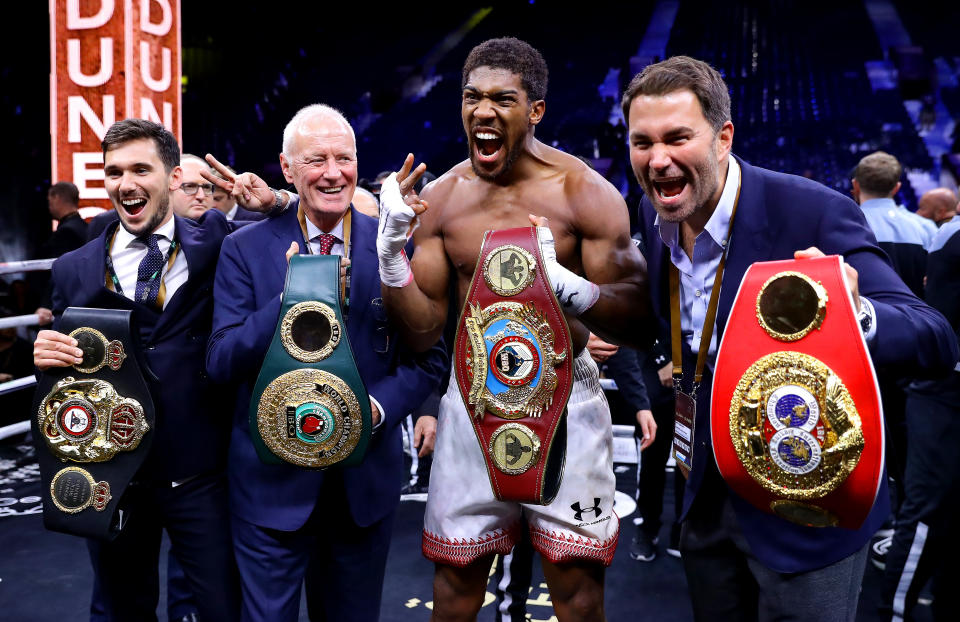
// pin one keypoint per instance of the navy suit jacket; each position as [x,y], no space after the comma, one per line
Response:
[190,436]
[249,282]
[777,215]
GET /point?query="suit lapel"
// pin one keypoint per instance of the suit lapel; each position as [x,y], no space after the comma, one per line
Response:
[751,239]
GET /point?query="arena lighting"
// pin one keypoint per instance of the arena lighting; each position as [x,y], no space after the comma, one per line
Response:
[109,60]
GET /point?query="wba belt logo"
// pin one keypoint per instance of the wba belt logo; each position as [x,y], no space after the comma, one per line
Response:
[579,511]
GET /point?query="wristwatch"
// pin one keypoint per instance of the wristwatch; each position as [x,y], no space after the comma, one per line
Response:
[865,316]
[279,203]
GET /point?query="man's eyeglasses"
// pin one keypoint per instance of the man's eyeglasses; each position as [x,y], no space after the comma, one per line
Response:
[191,188]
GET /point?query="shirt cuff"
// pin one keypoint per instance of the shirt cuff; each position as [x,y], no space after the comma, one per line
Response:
[866,309]
[383,415]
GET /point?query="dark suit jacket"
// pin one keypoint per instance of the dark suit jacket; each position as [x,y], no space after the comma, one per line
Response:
[191,433]
[249,282]
[70,235]
[777,215]
[244,214]
[100,222]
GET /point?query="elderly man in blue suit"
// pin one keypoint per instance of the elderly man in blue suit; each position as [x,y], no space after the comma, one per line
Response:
[161,267]
[284,515]
[741,563]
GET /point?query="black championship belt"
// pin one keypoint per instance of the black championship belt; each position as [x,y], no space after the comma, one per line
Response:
[514,369]
[796,421]
[309,406]
[92,425]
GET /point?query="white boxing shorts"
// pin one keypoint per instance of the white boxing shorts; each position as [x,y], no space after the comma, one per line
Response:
[464,520]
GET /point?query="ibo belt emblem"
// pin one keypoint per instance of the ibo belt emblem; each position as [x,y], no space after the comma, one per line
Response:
[310,407]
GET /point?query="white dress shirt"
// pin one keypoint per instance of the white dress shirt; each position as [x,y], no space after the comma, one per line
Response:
[127,251]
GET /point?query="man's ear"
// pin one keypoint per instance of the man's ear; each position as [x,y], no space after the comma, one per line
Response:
[896,189]
[536,111]
[175,176]
[285,167]
[724,140]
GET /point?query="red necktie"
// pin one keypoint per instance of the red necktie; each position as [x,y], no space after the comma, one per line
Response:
[326,243]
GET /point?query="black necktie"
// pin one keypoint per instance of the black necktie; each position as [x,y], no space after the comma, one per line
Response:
[148,274]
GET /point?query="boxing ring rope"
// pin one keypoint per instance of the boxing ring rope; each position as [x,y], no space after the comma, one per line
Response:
[15,321]
[30,265]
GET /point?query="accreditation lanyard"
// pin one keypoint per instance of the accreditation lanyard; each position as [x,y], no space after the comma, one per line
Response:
[345,284]
[685,411]
[114,280]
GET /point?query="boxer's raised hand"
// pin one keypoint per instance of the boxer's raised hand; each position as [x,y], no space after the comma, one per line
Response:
[574,293]
[400,207]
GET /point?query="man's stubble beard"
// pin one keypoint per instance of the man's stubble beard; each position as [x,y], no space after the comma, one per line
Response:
[163,208]
[512,156]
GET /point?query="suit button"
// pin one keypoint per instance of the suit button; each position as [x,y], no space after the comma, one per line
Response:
[151,347]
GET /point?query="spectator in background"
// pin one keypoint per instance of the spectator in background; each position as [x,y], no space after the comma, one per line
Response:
[63,200]
[195,194]
[938,205]
[876,180]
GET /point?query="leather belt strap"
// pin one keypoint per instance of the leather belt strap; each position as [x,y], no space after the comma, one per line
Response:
[796,420]
[513,365]
[92,424]
[309,406]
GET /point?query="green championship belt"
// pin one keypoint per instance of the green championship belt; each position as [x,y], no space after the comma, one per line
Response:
[309,406]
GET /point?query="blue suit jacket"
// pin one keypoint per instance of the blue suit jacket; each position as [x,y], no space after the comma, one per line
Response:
[190,436]
[777,215]
[249,282]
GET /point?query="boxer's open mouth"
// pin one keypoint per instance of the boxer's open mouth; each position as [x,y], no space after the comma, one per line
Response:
[670,187]
[488,144]
[134,206]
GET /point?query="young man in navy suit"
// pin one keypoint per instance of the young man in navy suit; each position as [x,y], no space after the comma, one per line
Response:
[741,563]
[182,485]
[282,515]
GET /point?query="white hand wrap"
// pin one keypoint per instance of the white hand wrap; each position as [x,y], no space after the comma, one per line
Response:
[574,293]
[397,223]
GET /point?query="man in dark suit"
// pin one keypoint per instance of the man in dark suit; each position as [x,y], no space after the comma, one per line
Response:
[742,563]
[162,268]
[283,515]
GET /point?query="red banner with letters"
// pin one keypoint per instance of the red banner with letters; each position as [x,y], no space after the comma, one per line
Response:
[109,60]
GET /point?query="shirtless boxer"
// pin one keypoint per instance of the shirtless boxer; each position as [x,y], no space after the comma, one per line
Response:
[510,177]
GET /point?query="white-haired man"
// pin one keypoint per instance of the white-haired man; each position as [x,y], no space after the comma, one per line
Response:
[284,515]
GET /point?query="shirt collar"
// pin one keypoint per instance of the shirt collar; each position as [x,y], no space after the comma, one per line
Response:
[313,231]
[125,238]
[719,222]
[884,203]
[233,211]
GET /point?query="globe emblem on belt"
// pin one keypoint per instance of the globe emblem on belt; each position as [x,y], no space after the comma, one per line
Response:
[792,406]
[514,360]
[795,451]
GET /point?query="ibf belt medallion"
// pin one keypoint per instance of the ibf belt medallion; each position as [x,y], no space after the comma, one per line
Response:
[309,405]
[88,421]
[97,351]
[512,362]
[803,439]
[309,418]
[73,490]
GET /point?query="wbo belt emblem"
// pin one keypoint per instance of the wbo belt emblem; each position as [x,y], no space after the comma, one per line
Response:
[88,421]
[511,360]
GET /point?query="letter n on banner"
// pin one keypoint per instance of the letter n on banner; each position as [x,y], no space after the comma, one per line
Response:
[109,60]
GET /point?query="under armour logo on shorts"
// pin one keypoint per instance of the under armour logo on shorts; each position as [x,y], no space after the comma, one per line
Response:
[578,511]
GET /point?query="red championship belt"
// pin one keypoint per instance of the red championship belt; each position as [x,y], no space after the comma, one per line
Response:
[514,369]
[796,419]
